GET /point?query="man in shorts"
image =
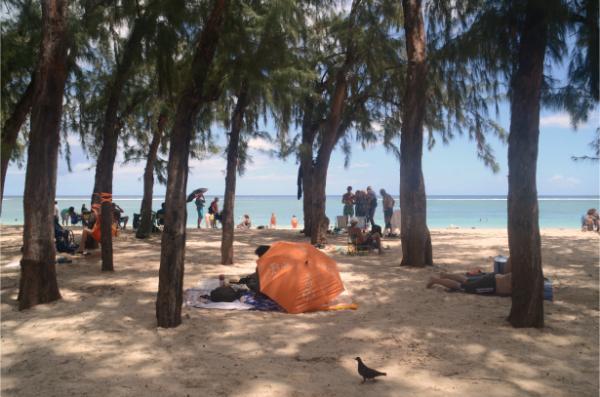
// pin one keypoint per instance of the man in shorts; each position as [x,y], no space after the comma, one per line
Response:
[484,283]
[348,201]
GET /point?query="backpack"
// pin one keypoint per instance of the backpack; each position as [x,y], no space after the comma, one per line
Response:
[225,294]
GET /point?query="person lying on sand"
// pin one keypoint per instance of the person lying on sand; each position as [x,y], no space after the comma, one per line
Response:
[485,283]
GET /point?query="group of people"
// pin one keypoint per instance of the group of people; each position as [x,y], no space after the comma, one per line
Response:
[364,203]
[213,216]
[69,215]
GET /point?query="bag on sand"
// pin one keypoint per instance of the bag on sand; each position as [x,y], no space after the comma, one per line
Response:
[225,294]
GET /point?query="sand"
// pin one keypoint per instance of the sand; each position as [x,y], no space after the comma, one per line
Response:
[101,338]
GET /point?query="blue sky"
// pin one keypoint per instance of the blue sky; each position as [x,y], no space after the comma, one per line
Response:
[448,169]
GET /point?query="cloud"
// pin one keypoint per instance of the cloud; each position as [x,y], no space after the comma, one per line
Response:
[79,167]
[260,144]
[74,141]
[376,126]
[564,181]
[560,120]
[270,178]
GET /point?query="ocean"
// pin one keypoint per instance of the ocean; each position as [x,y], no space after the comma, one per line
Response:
[442,211]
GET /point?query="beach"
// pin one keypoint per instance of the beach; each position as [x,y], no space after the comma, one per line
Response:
[101,338]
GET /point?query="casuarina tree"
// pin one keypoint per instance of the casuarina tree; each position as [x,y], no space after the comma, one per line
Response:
[38,282]
[262,74]
[414,233]
[170,285]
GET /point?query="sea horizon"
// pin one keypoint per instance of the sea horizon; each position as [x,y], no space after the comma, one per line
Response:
[443,211]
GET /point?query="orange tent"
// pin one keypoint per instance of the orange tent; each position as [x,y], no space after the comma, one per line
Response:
[299,277]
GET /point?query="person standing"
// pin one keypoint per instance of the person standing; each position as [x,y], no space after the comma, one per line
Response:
[360,204]
[388,210]
[371,205]
[273,221]
[348,201]
[294,222]
[56,212]
[213,210]
[200,200]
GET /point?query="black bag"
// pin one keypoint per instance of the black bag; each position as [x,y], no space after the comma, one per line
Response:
[225,294]
[136,221]
[252,281]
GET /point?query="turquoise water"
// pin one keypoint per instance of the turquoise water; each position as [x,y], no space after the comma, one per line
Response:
[442,211]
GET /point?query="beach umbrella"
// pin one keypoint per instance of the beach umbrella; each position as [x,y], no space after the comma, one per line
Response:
[193,194]
[299,277]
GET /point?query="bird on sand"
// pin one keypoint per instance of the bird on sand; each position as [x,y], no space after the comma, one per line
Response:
[366,372]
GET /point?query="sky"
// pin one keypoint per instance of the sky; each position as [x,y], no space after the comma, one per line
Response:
[451,169]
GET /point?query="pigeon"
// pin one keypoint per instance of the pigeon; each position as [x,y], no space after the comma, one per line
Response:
[366,372]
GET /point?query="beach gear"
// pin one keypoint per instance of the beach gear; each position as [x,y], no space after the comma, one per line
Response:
[193,194]
[299,277]
[500,264]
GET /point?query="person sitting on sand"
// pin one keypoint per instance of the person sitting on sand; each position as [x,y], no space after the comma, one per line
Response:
[485,283]
[590,221]
[160,215]
[120,219]
[371,239]
[95,231]
[245,224]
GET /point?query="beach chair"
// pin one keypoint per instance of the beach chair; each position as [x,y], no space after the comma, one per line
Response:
[362,222]
[342,222]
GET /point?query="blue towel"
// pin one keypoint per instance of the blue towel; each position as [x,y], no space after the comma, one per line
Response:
[261,302]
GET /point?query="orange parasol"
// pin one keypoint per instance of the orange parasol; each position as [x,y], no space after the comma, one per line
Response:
[299,277]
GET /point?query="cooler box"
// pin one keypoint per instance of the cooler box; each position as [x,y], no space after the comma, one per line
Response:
[500,264]
[548,295]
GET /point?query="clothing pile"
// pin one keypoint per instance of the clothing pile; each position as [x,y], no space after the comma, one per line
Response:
[209,294]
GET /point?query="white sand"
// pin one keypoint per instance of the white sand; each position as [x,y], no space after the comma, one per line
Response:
[101,338]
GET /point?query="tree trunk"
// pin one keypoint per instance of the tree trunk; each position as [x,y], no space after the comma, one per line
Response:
[110,135]
[527,308]
[328,140]
[227,220]
[38,282]
[170,284]
[145,227]
[415,237]
[10,131]
[310,128]
[331,134]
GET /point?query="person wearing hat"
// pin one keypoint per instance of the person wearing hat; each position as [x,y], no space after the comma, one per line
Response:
[371,239]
